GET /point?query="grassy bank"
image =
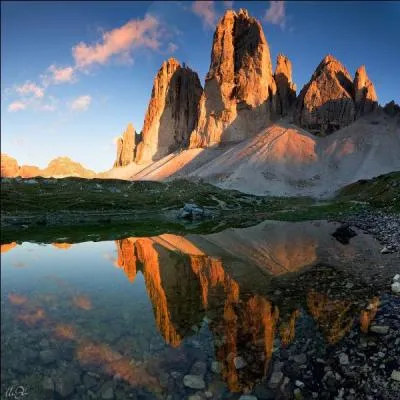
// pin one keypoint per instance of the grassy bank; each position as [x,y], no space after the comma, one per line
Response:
[48,209]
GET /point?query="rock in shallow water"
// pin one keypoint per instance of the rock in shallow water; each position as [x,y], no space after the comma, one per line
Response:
[396,287]
[395,375]
[380,329]
[275,379]
[194,382]
[239,362]
[343,359]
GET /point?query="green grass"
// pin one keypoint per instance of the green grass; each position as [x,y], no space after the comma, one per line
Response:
[110,208]
[76,194]
[380,192]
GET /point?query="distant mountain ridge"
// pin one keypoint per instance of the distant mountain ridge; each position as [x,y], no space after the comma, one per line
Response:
[58,168]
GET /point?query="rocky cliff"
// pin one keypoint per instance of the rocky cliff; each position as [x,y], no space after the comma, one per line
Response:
[364,93]
[332,100]
[239,91]
[126,147]
[326,104]
[285,86]
[172,112]
[58,168]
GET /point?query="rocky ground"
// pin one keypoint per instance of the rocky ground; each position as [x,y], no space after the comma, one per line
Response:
[383,226]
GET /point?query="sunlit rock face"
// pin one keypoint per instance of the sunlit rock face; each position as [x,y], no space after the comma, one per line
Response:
[364,93]
[9,166]
[325,103]
[172,112]
[239,91]
[126,147]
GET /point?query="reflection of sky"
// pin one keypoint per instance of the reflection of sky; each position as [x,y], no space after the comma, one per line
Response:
[83,267]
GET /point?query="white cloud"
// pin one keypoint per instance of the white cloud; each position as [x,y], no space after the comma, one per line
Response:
[172,47]
[81,103]
[60,74]
[276,13]
[30,88]
[135,33]
[206,11]
[16,106]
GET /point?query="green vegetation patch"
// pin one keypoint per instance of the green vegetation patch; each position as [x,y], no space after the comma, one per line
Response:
[380,192]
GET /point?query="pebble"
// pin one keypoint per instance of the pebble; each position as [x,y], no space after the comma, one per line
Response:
[48,356]
[343,359]
[198,368]
[396,287]
[395,375]
[216,367]
[194,382]
[239,362]
[385,250]
[48,384]
[275,379]
[300,358]
[380,329]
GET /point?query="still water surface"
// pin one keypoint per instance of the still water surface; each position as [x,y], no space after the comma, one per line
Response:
[259,310]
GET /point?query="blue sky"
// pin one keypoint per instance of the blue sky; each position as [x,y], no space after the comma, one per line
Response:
[74,74]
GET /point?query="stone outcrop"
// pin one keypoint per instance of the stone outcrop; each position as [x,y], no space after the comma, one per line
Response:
[326,104]
[285,86]
[392,109]
[58,168]
[126,147]
[364,93]
[172,112]
[9,166]
[239,91]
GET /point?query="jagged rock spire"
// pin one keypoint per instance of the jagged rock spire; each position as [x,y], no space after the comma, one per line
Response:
[172,112]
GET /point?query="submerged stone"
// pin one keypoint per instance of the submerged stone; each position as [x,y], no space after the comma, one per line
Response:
[194,382]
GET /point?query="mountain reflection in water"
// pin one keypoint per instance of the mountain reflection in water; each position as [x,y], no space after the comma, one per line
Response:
[236,282]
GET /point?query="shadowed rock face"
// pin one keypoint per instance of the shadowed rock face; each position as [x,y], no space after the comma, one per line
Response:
[285,86]
[172,112]
[237,99]
[392,109]
[126,147]
[326,104]
[364,93]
